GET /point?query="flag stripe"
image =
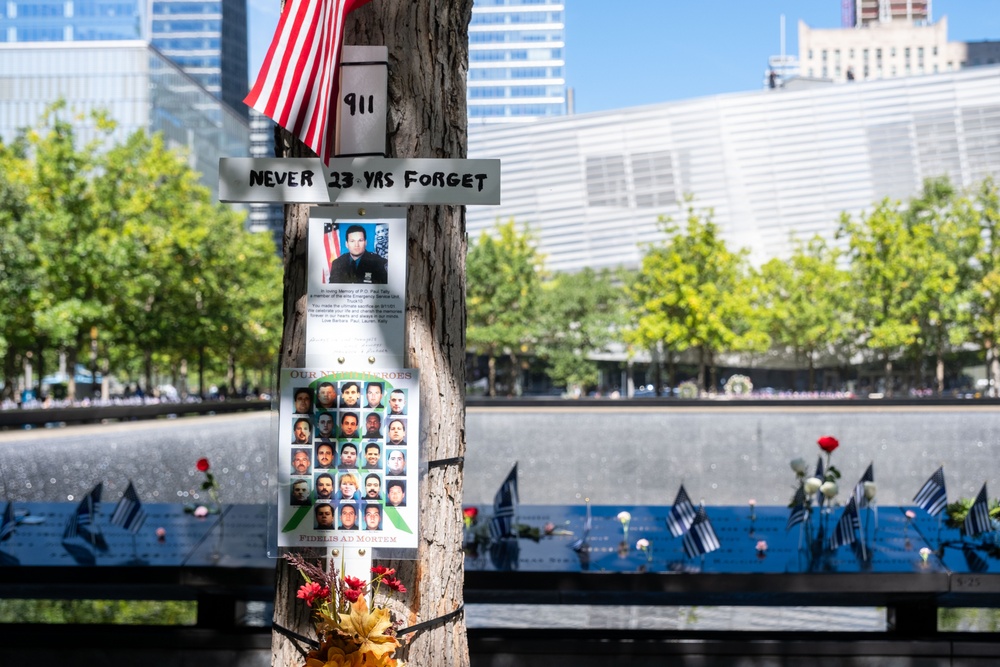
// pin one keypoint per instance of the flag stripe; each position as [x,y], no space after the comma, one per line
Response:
[978,519]
[682,514]
[932,496]
[297,85]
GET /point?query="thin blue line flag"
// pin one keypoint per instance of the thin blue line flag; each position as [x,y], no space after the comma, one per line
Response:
[505,507]
[800,509]
[682,514]
[128,512]
[932,497]
[700,538]
[978,519]
[847,527]
[859,488]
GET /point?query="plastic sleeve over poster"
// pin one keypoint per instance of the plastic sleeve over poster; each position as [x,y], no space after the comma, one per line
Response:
[348,458]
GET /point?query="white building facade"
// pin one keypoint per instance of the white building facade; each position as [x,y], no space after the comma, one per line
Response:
[770,164]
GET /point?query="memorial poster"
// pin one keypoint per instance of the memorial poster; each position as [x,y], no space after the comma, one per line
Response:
[348,458]
[357,282]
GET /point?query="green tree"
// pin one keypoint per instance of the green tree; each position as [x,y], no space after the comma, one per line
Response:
[504,273]
[805,301]
[884,284]
[18,273]
[984,295]
[693,292]
[75,249]
[578,315]
[130,245]
[944,232]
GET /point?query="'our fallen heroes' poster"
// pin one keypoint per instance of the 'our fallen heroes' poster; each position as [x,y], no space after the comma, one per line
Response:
[348,458]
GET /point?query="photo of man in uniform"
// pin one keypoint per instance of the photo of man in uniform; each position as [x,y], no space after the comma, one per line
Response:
[324,516]
[374,393]
[348,517]
[326,396]
[397,402]
[358,265]
[373,426]
[396,462]
[348,455]
[349,425]
[325,427]
[324,456]
[300,492]
[303,400]
[350,393]
[396,493]
[373,487]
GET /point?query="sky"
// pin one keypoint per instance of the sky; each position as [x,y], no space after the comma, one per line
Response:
[624,53]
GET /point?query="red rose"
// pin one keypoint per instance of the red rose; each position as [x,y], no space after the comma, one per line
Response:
[470,512]
[202,465]
[828,443]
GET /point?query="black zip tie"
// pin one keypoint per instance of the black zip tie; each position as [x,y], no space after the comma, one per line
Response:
[294,636]
[440,463]
[434,621]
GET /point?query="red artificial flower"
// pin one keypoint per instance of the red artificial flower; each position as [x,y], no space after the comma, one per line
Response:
[470,512]
[394,584]
[354,582]
[202,465]
[311,591]
[828,443]
[381,569]
[352,595]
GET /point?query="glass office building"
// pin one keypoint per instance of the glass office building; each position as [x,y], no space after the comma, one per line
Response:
[769,163]
[205,38]
[516,61]
[138,86]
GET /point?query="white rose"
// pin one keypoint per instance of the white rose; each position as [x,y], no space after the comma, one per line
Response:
[798,466]
[624,517]
[870,490]
[828,489]
[642,544]
[812,485]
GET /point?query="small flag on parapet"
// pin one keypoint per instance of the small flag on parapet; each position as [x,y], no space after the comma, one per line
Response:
[8,523]
[978,519]
[682,514]
[859,488]
[847,527]
[505,507]
[80,519]
[932,497]
[128,512]
[700,538]
[800,509]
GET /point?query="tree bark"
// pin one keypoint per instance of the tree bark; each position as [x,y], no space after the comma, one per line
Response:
[428,61]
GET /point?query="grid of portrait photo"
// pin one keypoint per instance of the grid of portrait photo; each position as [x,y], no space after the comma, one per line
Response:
[349,453]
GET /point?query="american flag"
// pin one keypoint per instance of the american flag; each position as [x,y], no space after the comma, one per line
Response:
[128,512]
[859,488]
[847,527]
[932,496]
[700,538]
[682,514]
[800,509]
[504,507]
[331,245]
[297,86]
[978,519]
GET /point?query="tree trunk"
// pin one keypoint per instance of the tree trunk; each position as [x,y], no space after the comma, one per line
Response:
[888,377]
[491,377]
[701,368]
[657,370]
[812,370]
[428,61]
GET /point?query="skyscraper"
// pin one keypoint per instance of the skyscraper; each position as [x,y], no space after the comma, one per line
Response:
[516,61]
[205,38]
